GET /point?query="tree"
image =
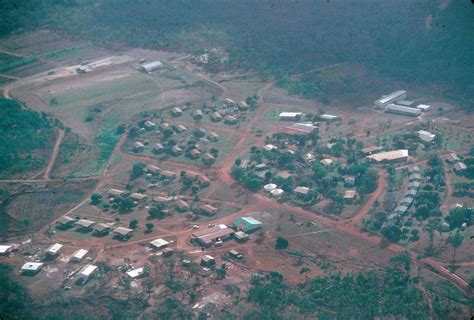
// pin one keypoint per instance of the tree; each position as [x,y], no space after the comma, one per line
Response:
[96,198]
[392,233]
[157,212]
[456,241]
[281,243]
[125,204]
[133,224]
[367,182]
[149,227]
[137,170]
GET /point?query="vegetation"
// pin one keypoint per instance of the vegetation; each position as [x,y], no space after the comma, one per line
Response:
[19,152]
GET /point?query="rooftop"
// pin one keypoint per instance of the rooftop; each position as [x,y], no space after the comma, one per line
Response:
[389,155]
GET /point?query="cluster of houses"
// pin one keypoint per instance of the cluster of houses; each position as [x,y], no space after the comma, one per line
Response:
[193,144]
[396,103]
[98,229]
[410,193]
[217,234]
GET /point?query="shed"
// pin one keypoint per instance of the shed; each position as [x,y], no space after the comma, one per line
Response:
[405,111]
[208,209]
[136,273]
[65,221]
[241,236]
[230,119]
[424,107]
[290,116]
[152,66]
[208,260]
[301,190]
[176,111]
[5,249]
[115,192]
[84,223]
[138,196]
[102,228]
[415,177]
[216,116]
[54,249]
[329,117]
[213,136]
[122,232]
[426,136]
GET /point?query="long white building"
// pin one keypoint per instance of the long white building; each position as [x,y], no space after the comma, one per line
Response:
[392,97]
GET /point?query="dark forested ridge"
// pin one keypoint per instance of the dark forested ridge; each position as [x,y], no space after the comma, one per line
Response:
[425,42]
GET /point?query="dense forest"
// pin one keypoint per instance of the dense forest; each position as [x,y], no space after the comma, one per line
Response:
[422,42]
[23,132]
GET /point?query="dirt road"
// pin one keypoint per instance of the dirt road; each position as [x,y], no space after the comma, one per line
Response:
[54,154]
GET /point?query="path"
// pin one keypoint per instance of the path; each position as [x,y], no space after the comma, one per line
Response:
[54,155]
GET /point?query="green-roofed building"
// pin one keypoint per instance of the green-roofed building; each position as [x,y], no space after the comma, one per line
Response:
[247,224]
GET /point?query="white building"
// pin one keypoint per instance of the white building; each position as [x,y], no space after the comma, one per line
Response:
[5,249]
[78,255]
[159,244]
[152,66]
[54,249]
[269,147]
[329,117]
[86,273]
[423,107]
[31,268]
[136,273]
[426,136]
[394,155]
[392,97]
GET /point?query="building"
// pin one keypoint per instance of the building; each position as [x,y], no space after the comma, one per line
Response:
[149,125]
[426,136]
[182,205]
[326,162]
[102,228]
[195,153]
[277,193]
[54,250]
[78,255]
[115,192]
[176,151]
[123,233]
[65,221]
[241,236]
[404,111]
[302,129]
[411,193]
[401,210]
[5,250]
[138,146]
[371,150]
[203,180]
[208,261]
[168,174]
[208,157]
[158,148]
[414,169]
[329,117]
[208,210]
[415,177]
[86,273]
[392,97]
[301,190]
[459,167]
[290,116]
[137,196]
[349,181]
[31,268]
[389,156]
[350,195]
[247,224]
[159,244]
[453,158]
[197,114]
[406,201]
[153,169]
[414,185]
[85,224]
[181,128]
[207,237]
[423,107]
[235,254]
[230,119]
[405,103]
[176,111]
[213,136]
[136,273]
[216,116]
[243,106]
[269,147]
[151,66]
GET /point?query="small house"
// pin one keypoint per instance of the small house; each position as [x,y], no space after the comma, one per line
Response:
[115,192]
[159,244]
[235,254]
[65,222]
[136,273]
[350,195]
[301,190]
[208,157]
[208,210]
[349,181]
[269,147]
[168,174]
[176,151]
[54,250]
[84,223]
[102,228]
[150,125]
[213,136]
[197,114]
[137,196]
[182,205]
[459,167]
[78,255]
[241,236]
[195,153]
[153,169]
[414,185]
[243,106]
[216,116]
[138,146]
[176,112]
[230,120]
[453,158]
[207,261]
[423,107]
[158,148]
[326,162]
[426,136]
[123,233]
[414,169]
[203,180]
[415,177]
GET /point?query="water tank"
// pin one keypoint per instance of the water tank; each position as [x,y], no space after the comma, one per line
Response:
[277,192]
